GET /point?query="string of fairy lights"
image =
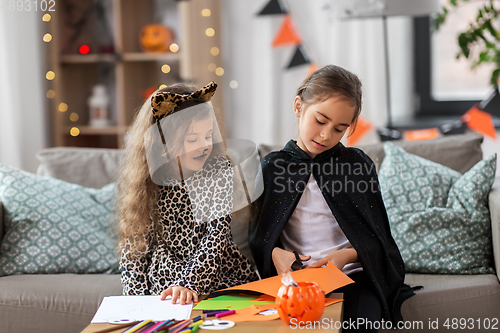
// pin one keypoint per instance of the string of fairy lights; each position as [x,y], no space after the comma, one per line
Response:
[165,68]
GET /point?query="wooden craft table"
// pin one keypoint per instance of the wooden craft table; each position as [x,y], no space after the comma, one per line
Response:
[332,314]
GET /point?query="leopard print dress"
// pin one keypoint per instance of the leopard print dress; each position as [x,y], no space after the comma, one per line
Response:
[193,246]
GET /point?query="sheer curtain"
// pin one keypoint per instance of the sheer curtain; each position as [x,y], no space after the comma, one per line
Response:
[22,117]
[260,108]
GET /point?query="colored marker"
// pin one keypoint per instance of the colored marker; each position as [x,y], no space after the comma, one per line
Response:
[212,314]
[223,314]
[209,311]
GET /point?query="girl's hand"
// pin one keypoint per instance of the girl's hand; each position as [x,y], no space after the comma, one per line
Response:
[283,260]
[185,295]
[339,258]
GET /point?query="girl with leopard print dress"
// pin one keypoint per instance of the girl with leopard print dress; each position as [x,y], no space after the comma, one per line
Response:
[175,201]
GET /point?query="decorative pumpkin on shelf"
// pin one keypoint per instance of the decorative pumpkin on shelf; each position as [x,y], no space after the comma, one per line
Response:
[155,38]
[304,301]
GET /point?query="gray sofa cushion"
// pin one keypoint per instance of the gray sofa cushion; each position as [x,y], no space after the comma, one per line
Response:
[1,222]
[457,296]
[89,167]
[60,303]
[458,152]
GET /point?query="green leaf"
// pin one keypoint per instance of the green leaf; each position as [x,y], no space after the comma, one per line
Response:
[463,42]
[494,76]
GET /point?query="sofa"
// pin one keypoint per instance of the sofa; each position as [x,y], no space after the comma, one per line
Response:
[67,302]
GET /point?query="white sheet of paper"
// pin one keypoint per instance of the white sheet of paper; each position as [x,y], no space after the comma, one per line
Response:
[140,308]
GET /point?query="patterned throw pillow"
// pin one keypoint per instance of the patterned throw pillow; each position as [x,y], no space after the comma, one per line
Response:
[52,226]
[439,218]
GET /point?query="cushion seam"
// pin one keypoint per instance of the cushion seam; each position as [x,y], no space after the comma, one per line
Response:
[43,309]
[496,293]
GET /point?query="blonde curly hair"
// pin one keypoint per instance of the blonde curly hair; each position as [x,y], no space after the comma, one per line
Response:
[137,193]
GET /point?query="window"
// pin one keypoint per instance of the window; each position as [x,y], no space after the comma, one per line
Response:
[447,86]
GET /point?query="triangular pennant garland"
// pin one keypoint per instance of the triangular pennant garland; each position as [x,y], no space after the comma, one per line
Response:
[273,7]
[421,134]
[387,134]
[287,34]
[455,127]
[362,127]
[299,58]
[480,121]
[312,68]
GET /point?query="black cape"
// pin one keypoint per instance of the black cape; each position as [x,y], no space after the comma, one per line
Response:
[348,181]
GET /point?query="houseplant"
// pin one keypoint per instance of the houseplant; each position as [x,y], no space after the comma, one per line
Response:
[480,43]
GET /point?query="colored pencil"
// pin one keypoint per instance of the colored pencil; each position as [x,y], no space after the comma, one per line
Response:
[185,324]
[154,327]
[146,327]
[137,327]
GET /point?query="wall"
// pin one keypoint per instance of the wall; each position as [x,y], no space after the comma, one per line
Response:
[22,122]
[260,109]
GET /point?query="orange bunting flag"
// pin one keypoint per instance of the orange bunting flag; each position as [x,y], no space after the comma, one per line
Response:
[421,134]
[480,121]
[287,34]
[312,68]
[362,127]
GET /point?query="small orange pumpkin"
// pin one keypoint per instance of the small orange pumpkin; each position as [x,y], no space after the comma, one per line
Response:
[304,303]
[155,38]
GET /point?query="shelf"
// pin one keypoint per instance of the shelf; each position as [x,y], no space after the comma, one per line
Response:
[89,130]
[87,58]
[143,56]
[128,73]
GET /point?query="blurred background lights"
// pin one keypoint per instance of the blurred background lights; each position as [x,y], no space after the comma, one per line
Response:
[84,49]
[206,12]
[233,84]
[51,94]
[74,131]
[63,107]
[47,38]
[74,117]
[210,32]
[50,75]
[46,18]
[165,69]
[162,86]
[174,47]
[219,71]
[214,51]
[212,67]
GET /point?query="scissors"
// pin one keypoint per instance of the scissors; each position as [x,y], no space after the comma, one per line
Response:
[297,264]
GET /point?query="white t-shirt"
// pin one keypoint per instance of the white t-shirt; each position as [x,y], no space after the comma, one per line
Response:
[313,230]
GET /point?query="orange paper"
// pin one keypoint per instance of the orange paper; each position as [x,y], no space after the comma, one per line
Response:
[362,127]
[287,34]
[422,134]
[328,278]
[480,122]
